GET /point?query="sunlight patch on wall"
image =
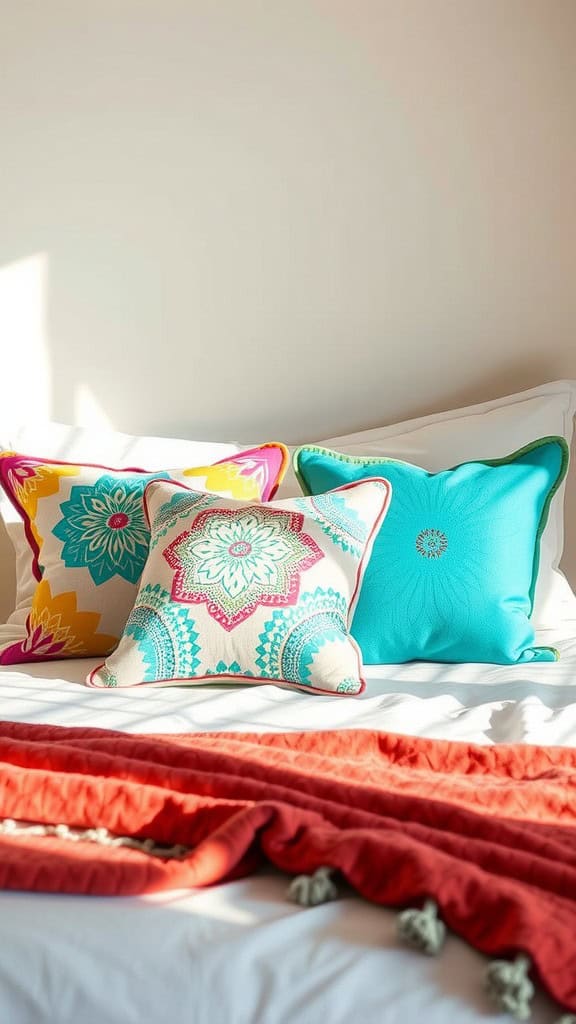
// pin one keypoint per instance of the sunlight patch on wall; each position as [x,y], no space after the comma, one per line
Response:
[87,410]
[27,390]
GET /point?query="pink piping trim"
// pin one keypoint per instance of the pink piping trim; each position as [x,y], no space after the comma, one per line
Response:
[196,680]
[372,536]
[176,483]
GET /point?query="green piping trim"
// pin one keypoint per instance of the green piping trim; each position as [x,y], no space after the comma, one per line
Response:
[372,460]
[553,650]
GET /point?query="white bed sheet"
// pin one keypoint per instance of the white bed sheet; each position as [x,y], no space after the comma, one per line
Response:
[533,703]
[240,953]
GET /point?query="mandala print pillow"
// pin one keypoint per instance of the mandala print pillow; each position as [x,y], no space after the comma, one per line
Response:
[89,541]
[453,570]
[256,593]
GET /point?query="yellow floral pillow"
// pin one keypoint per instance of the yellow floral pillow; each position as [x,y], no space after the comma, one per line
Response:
[88,536]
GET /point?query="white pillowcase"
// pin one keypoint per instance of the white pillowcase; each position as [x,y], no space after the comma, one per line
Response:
[489,431]
[77,444]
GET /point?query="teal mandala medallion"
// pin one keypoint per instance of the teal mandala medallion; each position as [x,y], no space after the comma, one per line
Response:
[104,529]
[165,636]
[293,637]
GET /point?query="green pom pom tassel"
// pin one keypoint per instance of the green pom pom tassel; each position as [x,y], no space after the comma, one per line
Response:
[312,890]
[509,986]
[422,929]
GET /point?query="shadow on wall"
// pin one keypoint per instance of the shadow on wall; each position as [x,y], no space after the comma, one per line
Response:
[291,221]
[295,219]
[73,383]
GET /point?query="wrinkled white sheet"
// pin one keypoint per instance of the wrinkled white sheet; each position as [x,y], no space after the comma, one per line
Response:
[479,703]
[240,953]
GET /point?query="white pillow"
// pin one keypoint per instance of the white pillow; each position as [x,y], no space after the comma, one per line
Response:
[250,593]
[81,444]
[489,430]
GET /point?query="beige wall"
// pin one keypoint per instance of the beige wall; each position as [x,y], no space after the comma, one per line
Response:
[253,217]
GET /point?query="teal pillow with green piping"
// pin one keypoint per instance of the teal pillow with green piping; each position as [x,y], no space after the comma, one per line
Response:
[452,573]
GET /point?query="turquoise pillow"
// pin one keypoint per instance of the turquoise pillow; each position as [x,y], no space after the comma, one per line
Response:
[453,569]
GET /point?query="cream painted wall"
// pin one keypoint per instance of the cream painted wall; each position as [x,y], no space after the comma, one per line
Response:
[255,218]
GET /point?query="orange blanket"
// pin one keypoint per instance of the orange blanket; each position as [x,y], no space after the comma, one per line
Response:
[488,832]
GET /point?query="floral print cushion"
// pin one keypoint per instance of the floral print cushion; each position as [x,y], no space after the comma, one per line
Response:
[252,593]
[454,568]
[89,538]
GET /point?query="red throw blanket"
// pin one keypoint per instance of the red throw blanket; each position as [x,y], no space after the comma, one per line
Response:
[488,832]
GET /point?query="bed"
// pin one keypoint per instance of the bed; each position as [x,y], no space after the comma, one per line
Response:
[241,951]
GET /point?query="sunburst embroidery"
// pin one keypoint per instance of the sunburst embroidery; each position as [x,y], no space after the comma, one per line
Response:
[431,543]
